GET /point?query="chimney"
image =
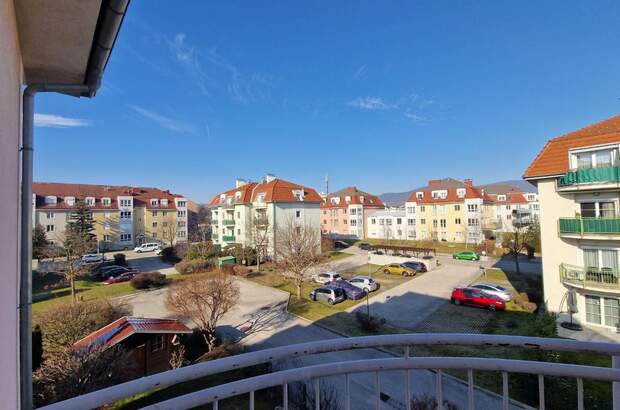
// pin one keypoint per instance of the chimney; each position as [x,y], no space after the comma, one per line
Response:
[434,182]
[469,182]
[269,178]
[239,182]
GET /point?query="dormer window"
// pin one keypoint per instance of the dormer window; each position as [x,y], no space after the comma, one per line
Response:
[501,197]
[443,194]
[419,195]
[106,201]
[362,198]
[154,202]
[70,200]
[90,201]
[298,194]
[347,199]
[260,198]
[237,195]
[50,200]
[594,158]
[460,192]
[222,197]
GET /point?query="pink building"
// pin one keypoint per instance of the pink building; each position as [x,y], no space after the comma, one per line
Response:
[342,213]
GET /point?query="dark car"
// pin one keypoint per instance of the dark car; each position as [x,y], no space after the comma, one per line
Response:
[340,245]
[123,277]
[417,266]
[351,291]
[114,272]
[365,246]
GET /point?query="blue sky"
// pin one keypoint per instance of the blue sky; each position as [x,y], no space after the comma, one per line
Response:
[382,95]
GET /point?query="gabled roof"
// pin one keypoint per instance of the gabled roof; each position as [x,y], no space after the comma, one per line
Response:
[552,160]
[126,326]
[450,185]
[276,190]
[370,201]
[141,195]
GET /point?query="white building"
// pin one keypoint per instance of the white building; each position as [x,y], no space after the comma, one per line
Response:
[386,224]
[578,180]
[236,213]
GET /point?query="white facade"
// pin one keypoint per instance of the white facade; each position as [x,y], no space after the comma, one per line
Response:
[386,224]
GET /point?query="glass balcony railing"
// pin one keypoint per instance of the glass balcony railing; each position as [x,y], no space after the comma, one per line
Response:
[228,222]
[581,226]
[589,277]
[590,176]
[228,238]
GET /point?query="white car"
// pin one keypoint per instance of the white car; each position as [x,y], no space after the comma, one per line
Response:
[326,277]
[147,247]
[495,290]
[366,283]
[92,258]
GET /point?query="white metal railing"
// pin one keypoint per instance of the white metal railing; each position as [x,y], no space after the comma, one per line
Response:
[316,372]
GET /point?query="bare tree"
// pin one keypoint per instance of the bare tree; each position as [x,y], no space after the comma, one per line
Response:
[259,228]
[169,229]
[204,300]
[76,244]
[177,357]
[73,372]
[297,249]
[523,235]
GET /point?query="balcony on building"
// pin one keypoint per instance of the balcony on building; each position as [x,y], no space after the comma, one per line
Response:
[594,278]
[590,228]
[228,238]
[592,169]
[228,222]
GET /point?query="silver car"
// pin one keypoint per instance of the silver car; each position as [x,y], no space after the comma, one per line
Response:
[366,283]
[495,290]
[328,295]
[326,277]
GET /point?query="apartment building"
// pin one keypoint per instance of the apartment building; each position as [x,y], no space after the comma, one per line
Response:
[343,212]
[122,216]
[448,210]
[578,180]
[513,206]
[251,213]
[386,224]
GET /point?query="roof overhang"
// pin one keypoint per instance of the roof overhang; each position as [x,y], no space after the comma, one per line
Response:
[68,41]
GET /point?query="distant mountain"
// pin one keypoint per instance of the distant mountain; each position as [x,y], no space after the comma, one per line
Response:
[399,198]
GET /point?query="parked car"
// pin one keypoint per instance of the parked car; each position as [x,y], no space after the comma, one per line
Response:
[147,247]
[399,269]
[477,297]
[123,277]
[467,255]
[365,246]
[494,289]
[326,277]
[92,258]
[351,291]
[340,245]
[365,283]
[328,294]
[417,266]
[119,270]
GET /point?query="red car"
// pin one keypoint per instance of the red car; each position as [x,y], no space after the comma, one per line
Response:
[477,297]
[123,277]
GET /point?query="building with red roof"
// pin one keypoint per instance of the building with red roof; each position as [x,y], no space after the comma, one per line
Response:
[578,180]
[343,212]
[250,213]
[123,216]
[149,342]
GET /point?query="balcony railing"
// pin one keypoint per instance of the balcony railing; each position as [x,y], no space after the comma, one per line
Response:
[589,277]
[228,222]
[228,238]
[590,176]
[382,369]
[581,226]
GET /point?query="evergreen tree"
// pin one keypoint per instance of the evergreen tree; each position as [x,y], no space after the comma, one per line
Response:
[81,220]
[40,244]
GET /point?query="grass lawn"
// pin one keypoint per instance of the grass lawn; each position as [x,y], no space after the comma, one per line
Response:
[440,247]
[86,290]
[336,255]
[314,311]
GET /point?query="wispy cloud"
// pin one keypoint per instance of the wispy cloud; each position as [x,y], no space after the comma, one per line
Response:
[418,119]
[371,104]
[359,72]
[58,121]
[163,121]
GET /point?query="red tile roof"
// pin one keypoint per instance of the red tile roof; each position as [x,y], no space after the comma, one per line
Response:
[370,201]
[277,190]
[141,195]
[451,186]
[126,326]
[552,160]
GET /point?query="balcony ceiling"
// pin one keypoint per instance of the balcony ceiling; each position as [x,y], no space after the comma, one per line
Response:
[56,38]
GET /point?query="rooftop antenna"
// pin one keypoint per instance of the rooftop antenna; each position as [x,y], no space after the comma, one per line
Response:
[326,184]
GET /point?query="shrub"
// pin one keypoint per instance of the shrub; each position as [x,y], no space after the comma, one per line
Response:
[202,250]
[524,297]
[120,259]
[223,350]
[240,270]
[228,269]
[181,249]
[169,254]
[148,280]
[369,323]
[530,306]
[192,266]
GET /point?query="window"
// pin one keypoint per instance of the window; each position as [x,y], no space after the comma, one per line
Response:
[531,197]
[106,214]
[399,221]
[106,226]
[508,207]
[472,222]
[153,202]
[154,224]
[158,343]
[373,221]
[344,221]
[90,201]
[297,214]
[419,195]
[411,209]
[106,201]
[611,311]
[381,221]
[601,158]
[593,309]
[460,192]
[164,213]
[422,221]
[324,212]
[411,222]
[125,214]
[457,207]
[353,211]
[181,224]
[181,214]
[125,202]
[324,221]
[434,223]
[50,215]
[107,238]
[457,221]
[353,222]
[598,209]
[472,208]
[49,228]
[154,213]
[181,204]
[422,208]
[125,237]
[442,223]
[388,221]
[238,231]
